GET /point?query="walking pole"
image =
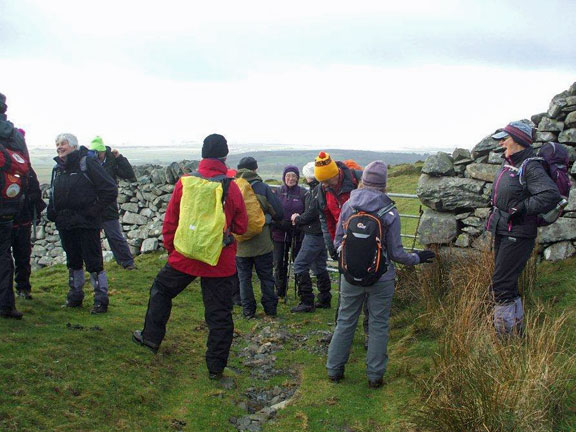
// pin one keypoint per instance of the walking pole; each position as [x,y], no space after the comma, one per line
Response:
[292,258]
[286,265]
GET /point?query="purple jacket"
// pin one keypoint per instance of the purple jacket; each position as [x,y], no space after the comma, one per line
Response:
[370,200]
[292,200]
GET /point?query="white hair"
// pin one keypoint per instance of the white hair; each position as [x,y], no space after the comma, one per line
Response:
[308,170]
[69,138]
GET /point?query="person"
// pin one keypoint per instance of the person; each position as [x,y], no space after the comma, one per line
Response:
[312,254]
[286,237]
[216,281]
[369,197]
[337,181]
[116,166]
[29,216]
[80,191]
[513,221]
[14,169]
[256,252]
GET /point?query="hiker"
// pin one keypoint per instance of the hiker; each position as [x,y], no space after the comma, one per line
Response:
[116,166]
[513,220]
[80,192]
[312,254]
[286,237]
[256,252]
[14,172]
[25,221]
[369,197]
[231,173]
[337,181]
[215,268]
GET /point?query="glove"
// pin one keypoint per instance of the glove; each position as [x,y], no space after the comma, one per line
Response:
[517,213]
[426,256]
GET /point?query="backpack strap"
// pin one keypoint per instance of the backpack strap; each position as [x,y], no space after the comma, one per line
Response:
[386,209]
[222,178]
[523,167]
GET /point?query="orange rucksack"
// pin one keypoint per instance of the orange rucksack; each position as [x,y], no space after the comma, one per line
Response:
[256,218]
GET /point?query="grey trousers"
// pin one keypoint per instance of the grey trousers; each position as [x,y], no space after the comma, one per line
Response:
[379,301]
[117,242]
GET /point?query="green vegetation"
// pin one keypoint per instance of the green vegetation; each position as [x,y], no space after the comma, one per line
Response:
[67,370]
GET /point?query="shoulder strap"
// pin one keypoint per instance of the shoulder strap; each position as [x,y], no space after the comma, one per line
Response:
[386,209]
[84,168]
[523,167]
[222,178]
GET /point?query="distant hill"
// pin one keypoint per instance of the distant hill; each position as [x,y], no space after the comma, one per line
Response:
[271,163]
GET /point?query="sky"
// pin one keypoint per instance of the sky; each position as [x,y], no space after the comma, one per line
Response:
[367,75]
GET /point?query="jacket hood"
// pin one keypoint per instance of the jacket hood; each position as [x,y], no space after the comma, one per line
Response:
[368,200]
[517,158]
[248,175]
[212,167]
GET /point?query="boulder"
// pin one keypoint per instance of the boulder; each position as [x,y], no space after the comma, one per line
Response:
[473,221]
[463,240]
[571,207]
[440,164]
[149,245]
[545,136]
[558,102]
[485,172]
[451,193]
[568,136]
[130,207]
[495,157]
[549,125]
[570,104]
[461,154]
[561,230]
[484,147]
[570,121]
[482,213]
[536,118]
[134,219]
[437,228]
[559,251]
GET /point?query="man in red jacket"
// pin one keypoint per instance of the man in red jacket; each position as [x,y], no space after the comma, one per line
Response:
[217,281]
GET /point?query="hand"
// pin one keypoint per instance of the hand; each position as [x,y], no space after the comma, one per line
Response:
[517,213]
[426,256]
[294,217]
[334,254]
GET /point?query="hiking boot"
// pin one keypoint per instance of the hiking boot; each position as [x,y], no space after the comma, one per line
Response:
[11,313]
[377,383]
[336,378]
[72,304]
[323,305]
[99,308]
[249,315]
[139,339]
[303,307]
[25,295]
[131,267]
[215,376]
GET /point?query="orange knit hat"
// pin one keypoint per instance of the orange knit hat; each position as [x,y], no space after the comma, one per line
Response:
[324,167]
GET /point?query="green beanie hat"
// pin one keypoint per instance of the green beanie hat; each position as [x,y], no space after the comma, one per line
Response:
[97,144]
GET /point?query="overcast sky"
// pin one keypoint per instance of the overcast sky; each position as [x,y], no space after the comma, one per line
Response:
[371,75]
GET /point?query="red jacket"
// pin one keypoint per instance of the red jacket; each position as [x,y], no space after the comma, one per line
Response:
[236,219]
[334,200]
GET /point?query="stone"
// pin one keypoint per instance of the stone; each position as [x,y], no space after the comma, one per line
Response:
[561,230]
[485,172]
[481,159]
[559,251]
[134,219]
[484,147]
[130,207]
[463,240]
[149,245]
[461,154]
[461,216]
[572,89]
[473,231]
[483,242]
[568,136]
[440,164]
[147,213]
[570,121]
[451,193]
[495,157]
[473,221]
[45,261]
[482,213]
[536,118]
[40,232]
[549,125]
[107,256]
[545,136]
[437,228]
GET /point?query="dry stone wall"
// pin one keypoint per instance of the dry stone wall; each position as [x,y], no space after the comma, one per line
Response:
[456,187]
[142,205]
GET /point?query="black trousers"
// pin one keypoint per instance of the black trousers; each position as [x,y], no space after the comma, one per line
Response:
[510,257]
[7,301]
[83,246]
[217,298]
[21,251]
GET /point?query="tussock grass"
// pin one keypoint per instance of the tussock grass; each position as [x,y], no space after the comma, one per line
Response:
[481,382]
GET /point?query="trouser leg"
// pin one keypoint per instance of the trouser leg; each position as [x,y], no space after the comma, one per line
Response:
[244,267]
[236,299]
[217,298]
[117,242]
[7,301]
[71,243]
[324,285]
[305,288]
[263,265]
[76,284]
[22,250]
[350,307]
[167,285]
[92,254]
[379,302]
[280,267]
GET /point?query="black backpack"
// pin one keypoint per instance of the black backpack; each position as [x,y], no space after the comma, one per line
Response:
[363,258]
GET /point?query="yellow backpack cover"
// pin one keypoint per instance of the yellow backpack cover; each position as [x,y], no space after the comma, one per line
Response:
[202,222]
[256,218]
